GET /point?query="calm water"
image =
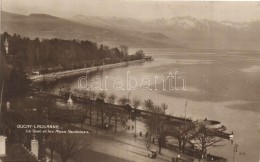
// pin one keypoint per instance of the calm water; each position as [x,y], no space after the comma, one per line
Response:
[223,86]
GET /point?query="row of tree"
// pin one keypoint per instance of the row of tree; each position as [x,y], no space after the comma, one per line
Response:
[191,136]
[104,105]
[48,53]
[24,54]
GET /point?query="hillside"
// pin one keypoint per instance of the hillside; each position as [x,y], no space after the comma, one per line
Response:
[178,32]
[188,31]
[47,26]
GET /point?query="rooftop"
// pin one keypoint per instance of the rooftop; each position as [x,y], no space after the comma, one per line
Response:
[17,153]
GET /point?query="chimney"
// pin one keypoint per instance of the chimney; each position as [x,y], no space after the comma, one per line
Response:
[34,146]
[2,146]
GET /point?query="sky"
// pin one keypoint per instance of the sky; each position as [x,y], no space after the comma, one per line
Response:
[138,9]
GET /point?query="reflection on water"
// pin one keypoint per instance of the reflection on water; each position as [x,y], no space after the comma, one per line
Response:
[220,86]
[252,69]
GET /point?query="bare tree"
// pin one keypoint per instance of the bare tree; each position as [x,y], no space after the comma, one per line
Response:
[68,145]
[123,101]
[205,137]
[164,106]
[148,104]
[92,96]
[155,121]
[83,117]
[102,95]
[184,133]
[117,118]
[160,120]
[61,87]
[51,143]
[136,102]
[111,100]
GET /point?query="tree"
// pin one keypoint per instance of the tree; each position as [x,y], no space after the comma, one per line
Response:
[117,118]
[148,104]
[76,92]
[164,106]
[92,96]
[124,50]
[123,101]
[118,115]
[68,145]
[111,100]
[18,83]
[160,120]
[136,102]
[139,54]
[205,137]
[60,89]
[102,95]
[83,116]
[155,121]
[48,53]
[51,143]
[85,95]
[184,133]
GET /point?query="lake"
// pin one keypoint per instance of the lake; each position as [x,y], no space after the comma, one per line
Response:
[223,86]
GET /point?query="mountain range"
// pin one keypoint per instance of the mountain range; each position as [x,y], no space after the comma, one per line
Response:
[178,32]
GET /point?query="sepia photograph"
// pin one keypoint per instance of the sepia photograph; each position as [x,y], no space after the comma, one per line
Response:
[129,81]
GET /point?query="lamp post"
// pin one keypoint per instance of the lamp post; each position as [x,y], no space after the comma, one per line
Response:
[178,157]
[186,104]
[234,151]
[128,98]
[2,91]
[107,128]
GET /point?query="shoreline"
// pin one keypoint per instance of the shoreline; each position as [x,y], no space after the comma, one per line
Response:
[70,73]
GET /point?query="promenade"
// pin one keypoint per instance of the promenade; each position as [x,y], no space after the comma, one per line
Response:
[75,72]
[122,146]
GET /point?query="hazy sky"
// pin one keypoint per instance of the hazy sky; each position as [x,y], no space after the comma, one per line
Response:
[139,9]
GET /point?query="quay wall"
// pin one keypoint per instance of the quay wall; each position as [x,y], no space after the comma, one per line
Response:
[75,72]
